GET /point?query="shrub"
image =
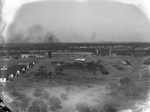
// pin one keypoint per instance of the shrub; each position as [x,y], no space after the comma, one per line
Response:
[94,110]
[38,92]
[24,100]
[55,103]
[41,93]
[125,82]
[17,94]
[34,109]
[64,96]
[82,107]
[25,103]
[109,108]
[38,106]
[15,106]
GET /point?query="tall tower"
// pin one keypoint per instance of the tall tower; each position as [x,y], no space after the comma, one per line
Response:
[97,51]
[110,52]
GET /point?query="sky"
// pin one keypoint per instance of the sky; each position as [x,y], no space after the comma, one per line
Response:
[0,21]
[91,21]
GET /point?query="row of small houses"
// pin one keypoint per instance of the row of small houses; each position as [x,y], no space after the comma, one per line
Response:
[59,54]
[7,74]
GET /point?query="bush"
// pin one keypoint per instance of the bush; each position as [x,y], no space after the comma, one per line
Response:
[55,103]
[125,82]
[64,96]
[15,106]
[25,103]
[17,94]
[24,100]
[109,108]
[94,110]
[41,93]
[38,106]
[34,109]
[82,107]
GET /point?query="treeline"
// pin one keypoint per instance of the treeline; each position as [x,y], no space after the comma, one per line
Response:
[132,52]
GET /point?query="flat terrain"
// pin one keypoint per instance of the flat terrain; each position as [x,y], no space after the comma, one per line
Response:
[45,88]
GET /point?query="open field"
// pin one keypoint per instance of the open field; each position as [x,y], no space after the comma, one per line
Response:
[48,87]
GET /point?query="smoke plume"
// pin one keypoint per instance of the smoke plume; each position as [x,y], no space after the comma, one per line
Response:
[11,7]
[34,34]
[9,11]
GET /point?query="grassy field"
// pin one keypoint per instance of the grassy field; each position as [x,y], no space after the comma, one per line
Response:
[43,89]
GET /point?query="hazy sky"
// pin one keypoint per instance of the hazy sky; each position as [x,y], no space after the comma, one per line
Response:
[90,21]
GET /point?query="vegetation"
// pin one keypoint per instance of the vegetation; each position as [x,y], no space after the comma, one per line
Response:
[91,66]
[59,70]
[109,108]
[24,100]
[55,103]
[15,106]
[41,93]
[128,90]
[38,106]
[64,96]
[82,107]
[95,110]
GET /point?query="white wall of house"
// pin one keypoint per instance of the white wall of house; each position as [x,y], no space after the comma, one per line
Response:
[27,55]
[3,80]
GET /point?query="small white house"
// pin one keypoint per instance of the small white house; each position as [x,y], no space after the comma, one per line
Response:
[11,75]
[23,69]
[27,55]
[18,72]
[28,67]
[33,63]
[123,62]
[3,80]
[4,68]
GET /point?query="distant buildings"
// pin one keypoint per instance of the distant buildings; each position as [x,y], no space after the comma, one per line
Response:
[142,48]
[40,55]
[27,55]
[72,54]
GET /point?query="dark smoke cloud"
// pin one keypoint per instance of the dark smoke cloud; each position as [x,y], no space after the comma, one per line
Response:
[34,34]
